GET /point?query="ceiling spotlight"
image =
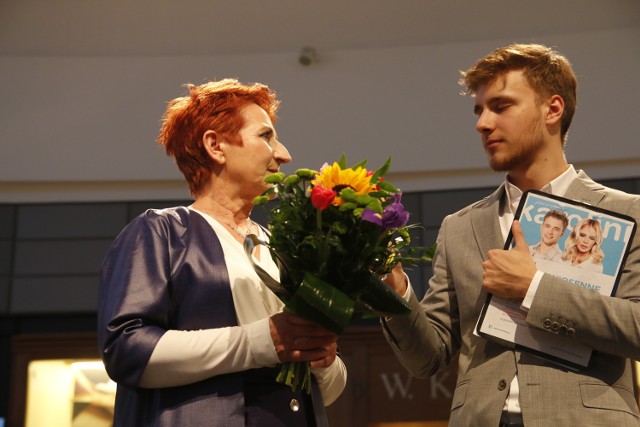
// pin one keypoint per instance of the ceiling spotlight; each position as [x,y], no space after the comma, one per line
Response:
[307,56]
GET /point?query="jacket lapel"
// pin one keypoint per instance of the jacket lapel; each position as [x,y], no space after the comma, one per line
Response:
[485,224]
[584,189]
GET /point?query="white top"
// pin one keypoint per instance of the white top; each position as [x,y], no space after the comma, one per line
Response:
[184,357]
[590,265]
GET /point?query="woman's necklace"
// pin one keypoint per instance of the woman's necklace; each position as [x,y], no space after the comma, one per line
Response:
[239,231]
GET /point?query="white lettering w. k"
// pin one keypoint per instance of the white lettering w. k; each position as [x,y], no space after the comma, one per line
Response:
[397,385]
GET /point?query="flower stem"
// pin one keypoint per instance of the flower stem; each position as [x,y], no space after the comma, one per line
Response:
[296,375]
[319,219]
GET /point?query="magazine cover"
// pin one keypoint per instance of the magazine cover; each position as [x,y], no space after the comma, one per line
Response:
[584,245]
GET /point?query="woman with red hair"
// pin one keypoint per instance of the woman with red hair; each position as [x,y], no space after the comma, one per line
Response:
[185,326]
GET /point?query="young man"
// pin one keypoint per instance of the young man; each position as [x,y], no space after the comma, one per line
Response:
[524,100]
[552,229]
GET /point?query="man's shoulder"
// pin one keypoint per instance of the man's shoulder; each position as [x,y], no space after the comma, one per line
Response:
[596,193]
[486,202]
[583,181]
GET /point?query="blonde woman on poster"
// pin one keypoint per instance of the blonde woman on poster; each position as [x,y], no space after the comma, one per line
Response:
[582,248]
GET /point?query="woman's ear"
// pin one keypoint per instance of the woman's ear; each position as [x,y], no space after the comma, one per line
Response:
[555,109]
[213,145]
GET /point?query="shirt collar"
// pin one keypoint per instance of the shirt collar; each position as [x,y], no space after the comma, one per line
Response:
[557,187]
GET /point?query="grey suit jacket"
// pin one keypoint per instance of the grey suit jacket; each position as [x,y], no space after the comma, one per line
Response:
[441,327]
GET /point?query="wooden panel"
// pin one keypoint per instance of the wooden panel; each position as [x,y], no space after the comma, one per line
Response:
[380,390]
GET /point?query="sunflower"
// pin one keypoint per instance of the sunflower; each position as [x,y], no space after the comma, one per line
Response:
[337,179]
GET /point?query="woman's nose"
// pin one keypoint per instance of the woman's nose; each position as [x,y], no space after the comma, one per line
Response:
[281,153]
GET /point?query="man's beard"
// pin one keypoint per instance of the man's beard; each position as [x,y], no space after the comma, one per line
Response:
[529,143]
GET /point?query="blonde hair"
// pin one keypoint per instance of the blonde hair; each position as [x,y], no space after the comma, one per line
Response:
[570,246]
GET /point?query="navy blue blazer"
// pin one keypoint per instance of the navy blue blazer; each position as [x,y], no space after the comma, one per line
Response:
[166,270]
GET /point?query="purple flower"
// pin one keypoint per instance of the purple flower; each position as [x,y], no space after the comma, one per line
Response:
[393,216]
[372,216]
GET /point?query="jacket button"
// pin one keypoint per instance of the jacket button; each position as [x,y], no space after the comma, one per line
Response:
[555,326]
[546,324]
[502,385]
[294,405]
[571,331]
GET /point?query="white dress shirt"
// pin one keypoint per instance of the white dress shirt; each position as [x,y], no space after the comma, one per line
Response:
[558,187]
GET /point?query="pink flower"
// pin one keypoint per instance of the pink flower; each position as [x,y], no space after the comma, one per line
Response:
[321,197]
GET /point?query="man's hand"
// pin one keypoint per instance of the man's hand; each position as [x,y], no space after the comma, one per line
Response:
[508,273]
[298,340]
[397,280]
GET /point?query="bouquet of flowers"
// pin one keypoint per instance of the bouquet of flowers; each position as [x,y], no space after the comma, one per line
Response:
[334,234]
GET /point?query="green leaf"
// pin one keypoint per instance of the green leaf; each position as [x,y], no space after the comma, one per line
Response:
[381,172]
[322,303]
[386,186]
[362,164]
[380,194]
[380,298]
[339,227]
[249,244]
[343,161]
[430,252]
[404,234]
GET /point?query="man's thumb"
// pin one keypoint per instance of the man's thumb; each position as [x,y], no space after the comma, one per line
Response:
[520,243]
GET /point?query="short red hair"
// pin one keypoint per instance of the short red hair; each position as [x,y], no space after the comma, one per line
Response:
[211,106]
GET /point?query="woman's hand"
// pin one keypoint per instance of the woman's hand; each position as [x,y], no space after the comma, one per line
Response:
[298,340]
